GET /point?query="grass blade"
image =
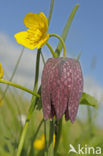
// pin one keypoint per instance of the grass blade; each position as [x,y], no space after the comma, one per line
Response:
[14,71]
[66,29]
[51,10]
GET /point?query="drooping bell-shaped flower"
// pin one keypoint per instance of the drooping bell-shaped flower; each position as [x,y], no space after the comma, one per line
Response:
[62,87]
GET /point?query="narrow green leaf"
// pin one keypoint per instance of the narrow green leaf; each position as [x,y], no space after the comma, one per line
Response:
[51,10]
[66,28]
[79,55]
[89,100]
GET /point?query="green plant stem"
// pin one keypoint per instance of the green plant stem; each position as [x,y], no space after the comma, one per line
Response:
[42,58]
[90,122]
[51,132]
[58,130]
[32,106]
[34,137]
[23,135]
[19,87]
[51,50]
[46,148]
[37,70]
[60,38]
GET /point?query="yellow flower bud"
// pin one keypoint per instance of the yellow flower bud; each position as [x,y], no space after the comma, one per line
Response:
[53,140]
[39,144]
[1,72]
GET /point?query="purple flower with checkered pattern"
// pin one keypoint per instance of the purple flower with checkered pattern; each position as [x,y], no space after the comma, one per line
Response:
[62,87]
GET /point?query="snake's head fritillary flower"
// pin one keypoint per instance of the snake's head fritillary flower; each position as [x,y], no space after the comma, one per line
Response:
[36,36]
[1,71]
[62,87]
[39,144]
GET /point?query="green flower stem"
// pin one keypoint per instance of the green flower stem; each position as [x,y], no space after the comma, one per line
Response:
[90,128]
[60,38]
[23,135]
[58,130]
[45,133]
[51,132]
[24,132]
[42,58]
[32,106]
[31,152]
[50,48]
[19,87]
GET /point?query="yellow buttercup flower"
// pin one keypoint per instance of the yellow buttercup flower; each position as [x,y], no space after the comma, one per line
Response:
[36,36]
[1,72]
[40,143]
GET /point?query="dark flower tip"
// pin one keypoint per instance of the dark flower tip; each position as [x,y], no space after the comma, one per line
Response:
[62,86]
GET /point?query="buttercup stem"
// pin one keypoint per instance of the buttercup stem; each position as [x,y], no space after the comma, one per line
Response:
[60,38]
[19,87]
[23,135]
[32,106]
[51,50]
